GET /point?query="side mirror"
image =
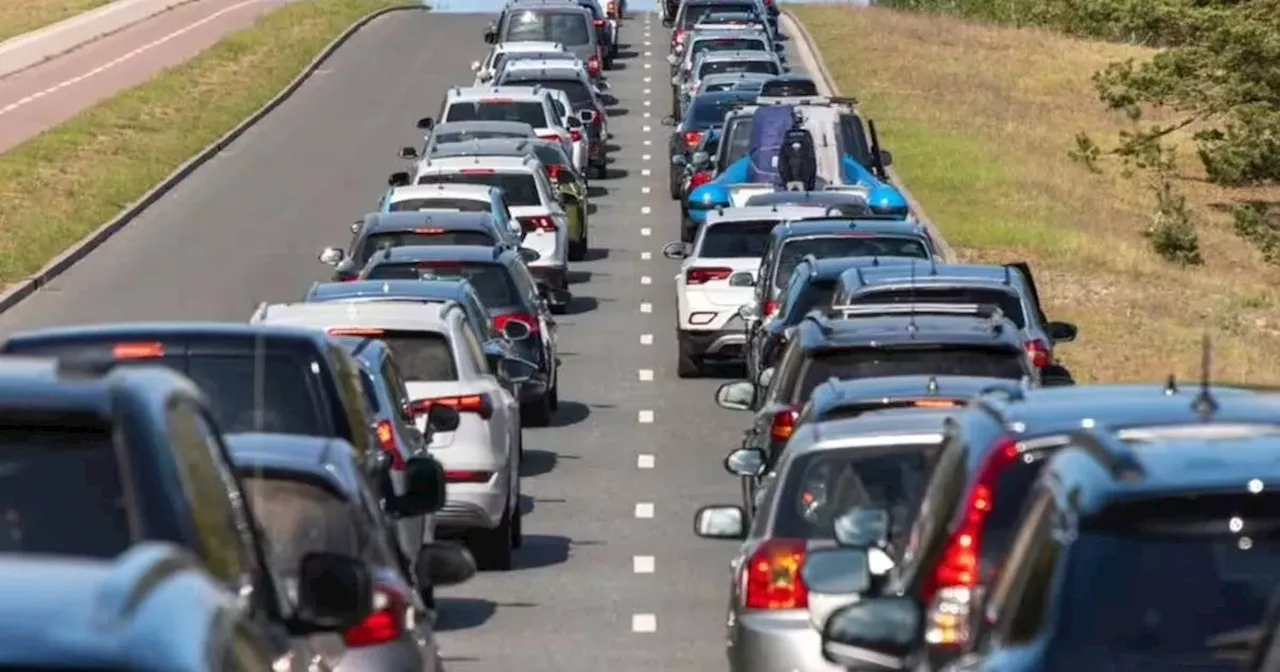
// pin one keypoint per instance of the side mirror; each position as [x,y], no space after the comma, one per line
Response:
[742,279]
[862,527]
[444,564]
[701,158]
[475,66]
[745,462]
[424,487]
[587,116]
[491,36]
[356,226]
[408,153]
[837,571]
[886,158]
[516,330]
[675,250]
[677,159]
[765,377]
[333,256]
[573,122]
[443,418]
[749,312]
[399,179]
[426,123]
[334,591]
[516,370]
[720,522]
[874,634]
[1061,332]
[1056,375]
[739,395]
[529,255]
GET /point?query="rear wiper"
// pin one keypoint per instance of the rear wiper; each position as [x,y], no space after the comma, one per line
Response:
[1235,645]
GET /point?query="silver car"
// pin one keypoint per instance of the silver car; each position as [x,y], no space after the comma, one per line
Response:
[885,457]
[309,495]
[537,21]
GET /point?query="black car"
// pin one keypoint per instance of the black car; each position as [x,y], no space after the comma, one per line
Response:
[509,293]
[378,231]
[97,461]
[705,111]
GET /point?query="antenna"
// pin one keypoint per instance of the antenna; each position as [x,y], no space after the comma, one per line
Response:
[1204,404]
[1008,280]
[932,388]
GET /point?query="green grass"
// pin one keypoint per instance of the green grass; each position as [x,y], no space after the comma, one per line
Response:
[23,16]
[59,186]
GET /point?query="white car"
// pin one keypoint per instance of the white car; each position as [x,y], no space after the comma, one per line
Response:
[457,198]
[717,277]
[533,199]
[486,69]
[442,362]
[533,105]
[573,89]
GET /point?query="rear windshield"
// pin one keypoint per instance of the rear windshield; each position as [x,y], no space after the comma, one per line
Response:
[1150,585]
[715,67]
[881,362]
[456,204]
[301,518]
[567,28]
[729,44]
[695,13]
[789,88]
[824,485]
[830,247]
[492,282]
[520,188]
[279,397]
[847,411]
[422,355]
[381,241]
[1008,302]
[709,111]
[579,95]
[510,56]
[550,155]
[1001,523]
[526,112]
[61,489]
[736,240]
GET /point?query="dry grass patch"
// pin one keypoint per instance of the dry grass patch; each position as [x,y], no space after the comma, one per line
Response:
[981,119]
[23,16]
[64,183]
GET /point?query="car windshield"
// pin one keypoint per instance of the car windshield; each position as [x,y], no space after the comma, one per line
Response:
[520,188]
[492,282]
[526,112]
[567,28]
[579,94]
[729,44]
[455,204]
[1151,584]
[76,459]
[714,67]
[843,245]
[381,241]
[693,14]
[824,485]
[708,111]
[940,360]
[298,518]
[753,85]
[736,240]
[1006,300]
[728,18]
[787,88]
[421,355]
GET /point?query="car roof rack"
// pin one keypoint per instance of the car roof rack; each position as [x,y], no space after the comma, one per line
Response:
[983,310]
[1114,455]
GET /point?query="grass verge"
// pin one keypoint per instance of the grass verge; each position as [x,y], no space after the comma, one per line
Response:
[62,184]
[980,120]
[23,16]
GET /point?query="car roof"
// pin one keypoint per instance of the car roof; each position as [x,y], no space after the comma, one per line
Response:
[442,290]
[38,382]
[483,147]
[463,94]
[870,429]
[898,329]
[966,274]
[737,55]
[759,212]
[325,459]
[349,314]
[819,226]
[451,164]
[408,220]
[494,126]
[152,331]
[463,253]
[551,68]
[825,196]
[474,192]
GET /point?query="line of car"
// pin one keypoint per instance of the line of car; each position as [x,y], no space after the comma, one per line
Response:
[924,486]
[287,493]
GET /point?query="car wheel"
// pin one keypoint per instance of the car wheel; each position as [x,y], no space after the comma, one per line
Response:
[687,365]
[673,184]
[492,548]
[578,249]
[428,596]
[517,521]
[537,413]
[554,395]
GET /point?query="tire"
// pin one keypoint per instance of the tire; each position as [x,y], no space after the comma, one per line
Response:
[492,548]
[537,413]
[517,520]
[602,170]
[578,250]
[554,394]
[673,184]
[428,596]
[687,365]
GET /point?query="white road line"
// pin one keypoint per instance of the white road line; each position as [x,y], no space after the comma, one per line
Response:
[646,339]
[646,231]
[648,91]
[644,624]
[644,461]
[642,564]
[647,54]
[647,115]
[647,103]
[646,375]
[648,129]
[646,210]
[648,65]
[645,190]
[646,172]
[646,280]
[113,63]
[646,157]
[646,256]
[644,510]
[648,79]
[646,308]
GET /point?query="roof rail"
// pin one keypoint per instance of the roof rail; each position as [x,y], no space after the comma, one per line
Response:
[982,310]
[137,572]
[260,313]
[1111,453]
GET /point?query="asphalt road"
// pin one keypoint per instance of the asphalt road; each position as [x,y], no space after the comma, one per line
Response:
[611,576]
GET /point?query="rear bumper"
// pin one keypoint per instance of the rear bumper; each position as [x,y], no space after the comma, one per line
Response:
[771,642]
[554,275]
[471,510]
[717,344]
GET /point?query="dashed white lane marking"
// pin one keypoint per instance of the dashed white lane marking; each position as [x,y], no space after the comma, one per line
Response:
[645,210]
[646,115]
[648,129]
[647,103]
[646,280]
[648,79]
[644,624]
[648,65]
[644,509]
[647,54]
[642,564]
[648,143]
[644,461]
[646,339]
[645,190]
[113,63]
[646,172]
[648,91]
[646,375]
[647,43]
[646,231]
[646,256]
[646,157]
[646,308]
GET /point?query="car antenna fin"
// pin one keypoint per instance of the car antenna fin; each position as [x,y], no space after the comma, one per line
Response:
[1171,385]
[1205,405]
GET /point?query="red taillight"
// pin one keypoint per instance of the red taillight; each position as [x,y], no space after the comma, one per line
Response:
[500,321]
[773,579]
[783,425]
[599,23]
[1039,352]
[770,307]
[692,139]
[137,351]
[593,65]
[680,36]
[537,223]
[699,276]
[575,135]
[553,171]
[476,171]
[480,404]
[468,476]
[549,136]
[699,178]
[387,439]
[385,624]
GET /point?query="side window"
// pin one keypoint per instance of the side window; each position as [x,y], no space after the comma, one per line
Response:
[785,374]
[246,651]
[525,282]
[792,293]
[476,313]
[358,416]
[472,345]
[395,382]
[1027,599]
[1039,514]
[210,486]
[946,485]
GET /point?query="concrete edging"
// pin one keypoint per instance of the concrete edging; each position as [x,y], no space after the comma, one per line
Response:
[20,290]
[812,59]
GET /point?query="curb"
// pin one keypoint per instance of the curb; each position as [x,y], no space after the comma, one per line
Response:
[795,28]
[20,290]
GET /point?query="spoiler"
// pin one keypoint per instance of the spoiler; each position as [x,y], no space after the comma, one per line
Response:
[983,310]
[811,101]
[740,193]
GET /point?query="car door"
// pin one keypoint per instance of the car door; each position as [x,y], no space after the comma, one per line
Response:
[399,396]
[1034,294]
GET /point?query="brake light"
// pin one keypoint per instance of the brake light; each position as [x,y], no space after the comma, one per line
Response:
[599,23]
[554,170]
[1039,352]
[385,624]
[950,590]
[593,65]
[770,307]
[367,333]
[477,171]
[480,404]
[699,178]
[936,403]
[500,321]
[537,223]
[439,264]
[692,139]
[773,579]
[575,135]
[467,476]
[783,425]
[680,36]
[137,351]
[429,232]
[387,439]
[700,276]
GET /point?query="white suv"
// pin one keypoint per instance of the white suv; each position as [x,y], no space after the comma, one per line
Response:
[532,198]
[443,362]
[486,69]
[718,277]
[533,105]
